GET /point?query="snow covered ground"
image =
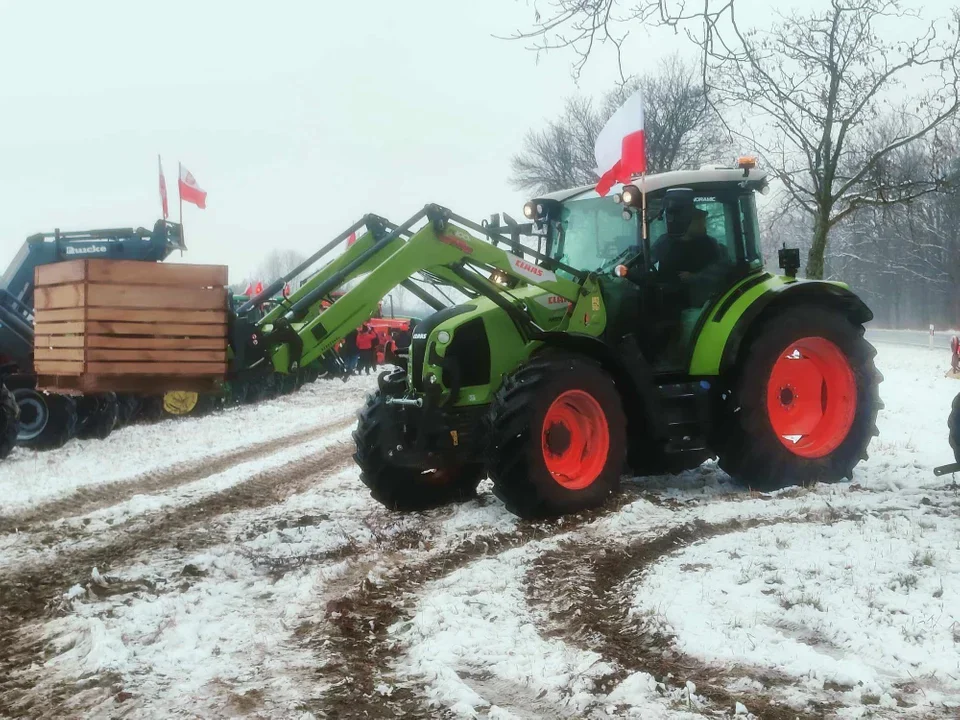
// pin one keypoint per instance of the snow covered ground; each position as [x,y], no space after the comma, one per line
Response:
[234,566]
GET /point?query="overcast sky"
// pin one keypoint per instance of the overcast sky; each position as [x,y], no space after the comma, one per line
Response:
[297,117]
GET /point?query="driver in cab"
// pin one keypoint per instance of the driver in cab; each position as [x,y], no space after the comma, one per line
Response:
[693,257]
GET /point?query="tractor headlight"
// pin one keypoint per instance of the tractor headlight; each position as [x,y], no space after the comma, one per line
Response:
[530,210]
[443,337]
[630,196]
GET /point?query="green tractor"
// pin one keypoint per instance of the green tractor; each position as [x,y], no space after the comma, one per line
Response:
[641,336]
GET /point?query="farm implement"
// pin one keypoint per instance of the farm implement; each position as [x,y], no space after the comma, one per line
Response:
[641,335]
[43,420]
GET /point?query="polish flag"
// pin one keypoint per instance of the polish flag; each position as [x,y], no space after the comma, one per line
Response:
[258,289]
[621,146]
[286,290]
[163,190]
[190,191]
[352,239]
[249,291]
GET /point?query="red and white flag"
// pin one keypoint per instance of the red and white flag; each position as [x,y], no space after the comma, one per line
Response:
[190,191]
[259,288]
[621,146]
[249,291]
[286,290]
[163,190]
[352,239]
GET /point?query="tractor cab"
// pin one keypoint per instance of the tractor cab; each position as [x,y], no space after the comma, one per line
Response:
[701,237]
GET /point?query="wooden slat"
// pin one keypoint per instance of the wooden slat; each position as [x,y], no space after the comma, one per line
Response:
[151,296]
[96,354]
[158,368]
[58,353]
[59,296]
[139,384]
[217,317]
[165,329]
[132,272]
[59,273]
[61,328]
[58,341]
[65,315]
[156,343]
[57,367]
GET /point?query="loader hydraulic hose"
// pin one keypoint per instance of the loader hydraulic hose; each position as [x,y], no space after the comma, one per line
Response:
[275,287]
[299,308]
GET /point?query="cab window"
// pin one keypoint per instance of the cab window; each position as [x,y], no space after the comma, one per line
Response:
[593,233]
[722,221]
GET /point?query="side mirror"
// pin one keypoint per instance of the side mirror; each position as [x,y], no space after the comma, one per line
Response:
[677,210]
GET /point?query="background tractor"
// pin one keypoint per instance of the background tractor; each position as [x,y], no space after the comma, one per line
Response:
[642,334]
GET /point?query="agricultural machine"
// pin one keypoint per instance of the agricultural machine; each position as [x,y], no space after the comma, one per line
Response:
[633,332]
[46,420]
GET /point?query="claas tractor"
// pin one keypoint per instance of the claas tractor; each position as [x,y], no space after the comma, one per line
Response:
[636,333]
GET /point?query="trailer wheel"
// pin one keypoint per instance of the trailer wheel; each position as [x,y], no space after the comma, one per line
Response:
[97,415]
[557,434]
[402,488]
[805,402]
[46,421]
[9,422]
[128,408]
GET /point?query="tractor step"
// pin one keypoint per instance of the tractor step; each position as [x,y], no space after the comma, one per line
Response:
[686,415]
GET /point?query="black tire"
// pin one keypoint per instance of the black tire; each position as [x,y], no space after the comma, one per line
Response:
[750,450]
[9,422]
[238,393]
[52,419]
[290,382]
[128,407]
[311,373]
[97,416]
[953,424]
[402,488]
[515,425]
[151,409]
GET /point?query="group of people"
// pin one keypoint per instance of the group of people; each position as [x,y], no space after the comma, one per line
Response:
[359,351]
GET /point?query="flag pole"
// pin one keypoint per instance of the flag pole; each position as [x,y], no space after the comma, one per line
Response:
[643,204]
[180,197]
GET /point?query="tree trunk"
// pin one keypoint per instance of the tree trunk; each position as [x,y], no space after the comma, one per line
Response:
[819,247]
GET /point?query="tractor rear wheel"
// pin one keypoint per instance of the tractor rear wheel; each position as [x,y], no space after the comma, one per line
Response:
[9,422]
[557,434]
[46,421]
[403,488]
[97,416]
[804,403]
[953,423]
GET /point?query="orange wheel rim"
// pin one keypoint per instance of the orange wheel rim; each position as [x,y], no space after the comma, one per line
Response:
[575,440]
[812,397]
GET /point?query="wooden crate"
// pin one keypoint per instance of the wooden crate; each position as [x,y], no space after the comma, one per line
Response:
[129,326]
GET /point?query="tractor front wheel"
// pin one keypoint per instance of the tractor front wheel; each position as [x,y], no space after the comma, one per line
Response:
[953,424]
[557,434]
[9,422]
[804,404]
[403,488]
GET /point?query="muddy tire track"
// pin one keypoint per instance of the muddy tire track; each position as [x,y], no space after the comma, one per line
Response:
[87,499]
[578,587]
[354,633]
[29,594]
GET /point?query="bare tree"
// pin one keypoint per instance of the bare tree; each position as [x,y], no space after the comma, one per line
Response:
[816,82]
[682,130]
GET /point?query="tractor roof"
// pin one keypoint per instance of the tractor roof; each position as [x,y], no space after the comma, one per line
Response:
[677,178]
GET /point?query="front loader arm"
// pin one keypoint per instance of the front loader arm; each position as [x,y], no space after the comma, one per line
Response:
[441,248]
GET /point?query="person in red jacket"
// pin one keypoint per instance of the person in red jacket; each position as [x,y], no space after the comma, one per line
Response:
[367,342]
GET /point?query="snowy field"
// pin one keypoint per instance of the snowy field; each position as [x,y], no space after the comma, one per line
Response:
[234,566]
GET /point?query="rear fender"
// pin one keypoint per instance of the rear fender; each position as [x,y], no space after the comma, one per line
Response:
[810,293]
